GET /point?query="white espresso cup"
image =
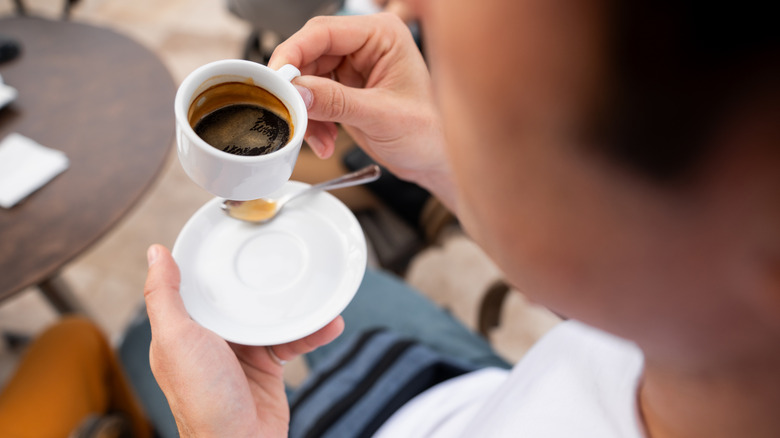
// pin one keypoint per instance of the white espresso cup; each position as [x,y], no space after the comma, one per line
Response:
[226,175]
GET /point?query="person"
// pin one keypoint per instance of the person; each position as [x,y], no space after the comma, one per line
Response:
[619,161]
[70,383]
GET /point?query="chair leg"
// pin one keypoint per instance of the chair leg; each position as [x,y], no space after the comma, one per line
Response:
[67,8]
[60,296]
[20,9]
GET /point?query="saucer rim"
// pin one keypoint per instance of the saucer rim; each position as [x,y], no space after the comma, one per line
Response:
[252,338]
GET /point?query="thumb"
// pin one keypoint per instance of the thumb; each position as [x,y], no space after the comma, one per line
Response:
[329,101]
[161,291]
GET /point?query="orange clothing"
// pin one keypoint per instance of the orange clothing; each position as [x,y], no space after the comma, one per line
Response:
[68,373]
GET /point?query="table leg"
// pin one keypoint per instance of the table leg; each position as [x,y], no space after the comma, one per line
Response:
[59,294]
[20,9]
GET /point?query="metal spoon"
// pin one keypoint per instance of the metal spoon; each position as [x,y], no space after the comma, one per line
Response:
[263,210]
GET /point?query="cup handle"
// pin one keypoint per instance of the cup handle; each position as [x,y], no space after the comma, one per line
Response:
[288,72]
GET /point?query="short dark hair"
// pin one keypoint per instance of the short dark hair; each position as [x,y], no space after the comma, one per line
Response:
[678,67]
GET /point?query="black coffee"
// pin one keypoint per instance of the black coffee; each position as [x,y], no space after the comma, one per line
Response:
[241,118]
[244,129]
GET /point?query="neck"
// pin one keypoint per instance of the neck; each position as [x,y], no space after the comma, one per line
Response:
[713,401]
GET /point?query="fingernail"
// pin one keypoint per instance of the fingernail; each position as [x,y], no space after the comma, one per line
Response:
[152,254]
[305,94]
[316,145]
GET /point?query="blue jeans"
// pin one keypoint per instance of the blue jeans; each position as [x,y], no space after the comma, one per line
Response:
[387,302]
[381,301]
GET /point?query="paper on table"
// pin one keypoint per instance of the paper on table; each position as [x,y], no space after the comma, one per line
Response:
[361,7]
[7,93]
[25,166]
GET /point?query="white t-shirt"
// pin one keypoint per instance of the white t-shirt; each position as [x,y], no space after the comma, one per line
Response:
[575,382]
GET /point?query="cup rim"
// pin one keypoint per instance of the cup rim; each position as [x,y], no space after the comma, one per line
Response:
[200,75]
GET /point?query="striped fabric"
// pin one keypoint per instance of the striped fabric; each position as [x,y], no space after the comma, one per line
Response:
[363,384]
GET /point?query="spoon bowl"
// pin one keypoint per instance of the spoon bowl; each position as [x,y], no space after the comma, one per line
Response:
[264,210]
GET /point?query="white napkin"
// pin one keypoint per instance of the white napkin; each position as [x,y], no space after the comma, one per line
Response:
[7,93]
[361,7]
[25,166]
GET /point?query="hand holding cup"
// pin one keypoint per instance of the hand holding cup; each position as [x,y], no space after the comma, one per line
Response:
[367,74]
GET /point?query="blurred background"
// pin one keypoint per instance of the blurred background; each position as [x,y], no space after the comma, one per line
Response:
[421,243]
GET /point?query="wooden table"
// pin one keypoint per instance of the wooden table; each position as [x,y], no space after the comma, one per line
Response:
[107,102]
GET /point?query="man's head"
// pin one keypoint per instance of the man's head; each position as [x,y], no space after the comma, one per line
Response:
[620,162]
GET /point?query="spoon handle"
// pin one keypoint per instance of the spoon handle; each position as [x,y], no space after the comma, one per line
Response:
[361,176]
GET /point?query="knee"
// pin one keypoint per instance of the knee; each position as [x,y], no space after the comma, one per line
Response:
[78,334]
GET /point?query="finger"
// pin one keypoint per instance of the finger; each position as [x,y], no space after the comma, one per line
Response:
[333,131]
[322,66]
[346,74]
[321,138]
[271,357]
[161,291]
[321,36]
[305,345]
[338,36]
[334,102]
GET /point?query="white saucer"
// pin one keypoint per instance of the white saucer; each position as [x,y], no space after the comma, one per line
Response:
[273,283]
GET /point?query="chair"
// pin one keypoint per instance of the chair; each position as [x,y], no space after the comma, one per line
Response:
[66,8]
[273,21]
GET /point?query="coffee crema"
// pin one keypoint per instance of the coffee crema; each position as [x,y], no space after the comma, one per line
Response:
[241,119]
